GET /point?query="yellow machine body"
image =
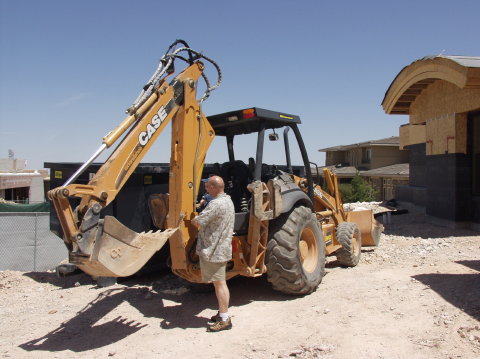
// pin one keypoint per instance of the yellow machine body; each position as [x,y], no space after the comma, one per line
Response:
[104,247]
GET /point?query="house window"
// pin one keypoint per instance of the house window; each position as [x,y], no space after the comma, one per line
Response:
[475,125]
[366,155]
[18,194]
[388,190]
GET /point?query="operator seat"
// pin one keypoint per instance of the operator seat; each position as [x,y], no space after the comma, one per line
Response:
[236,176]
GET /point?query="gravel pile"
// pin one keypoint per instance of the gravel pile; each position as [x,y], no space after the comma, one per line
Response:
[376,207]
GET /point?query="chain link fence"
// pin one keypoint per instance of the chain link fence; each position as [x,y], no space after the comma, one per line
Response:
[26,243]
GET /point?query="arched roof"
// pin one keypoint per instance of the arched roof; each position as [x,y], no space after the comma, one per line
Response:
[462,71]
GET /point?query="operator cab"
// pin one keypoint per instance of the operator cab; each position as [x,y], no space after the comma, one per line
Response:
[238,173]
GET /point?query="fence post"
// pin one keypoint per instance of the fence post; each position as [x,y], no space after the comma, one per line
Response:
[35,244]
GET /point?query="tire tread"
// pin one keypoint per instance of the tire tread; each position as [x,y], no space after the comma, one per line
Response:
[284,268]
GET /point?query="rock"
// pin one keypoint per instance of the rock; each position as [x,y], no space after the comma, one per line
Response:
[323,347]
[296,352]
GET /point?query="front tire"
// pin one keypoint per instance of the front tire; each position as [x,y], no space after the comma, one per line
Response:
[295,253]
[349,236]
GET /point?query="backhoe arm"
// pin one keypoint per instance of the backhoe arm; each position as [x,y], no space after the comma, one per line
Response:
[105,247]
[329,203]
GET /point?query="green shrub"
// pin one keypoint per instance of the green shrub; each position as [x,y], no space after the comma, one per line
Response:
[345,190]
[359,190]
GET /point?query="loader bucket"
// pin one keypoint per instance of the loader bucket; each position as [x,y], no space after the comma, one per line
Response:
[370,228]
[118,251]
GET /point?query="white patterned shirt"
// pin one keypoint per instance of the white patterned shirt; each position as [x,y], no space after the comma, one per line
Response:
[216,230]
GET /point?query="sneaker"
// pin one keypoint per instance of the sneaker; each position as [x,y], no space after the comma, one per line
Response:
[221,325]
[216,318]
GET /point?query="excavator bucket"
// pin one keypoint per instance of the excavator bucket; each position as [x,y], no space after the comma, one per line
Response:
[370,228]
[118,251]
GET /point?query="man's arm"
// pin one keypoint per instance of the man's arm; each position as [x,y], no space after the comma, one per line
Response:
[205,216]
[195,222]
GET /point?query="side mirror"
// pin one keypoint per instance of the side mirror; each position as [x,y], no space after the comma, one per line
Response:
[273,137]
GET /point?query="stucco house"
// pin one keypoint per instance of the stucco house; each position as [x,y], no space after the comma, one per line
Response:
[380,161]
[18,184]
[441,96]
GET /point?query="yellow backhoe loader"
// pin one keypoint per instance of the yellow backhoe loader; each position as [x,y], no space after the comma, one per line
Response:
[285,224]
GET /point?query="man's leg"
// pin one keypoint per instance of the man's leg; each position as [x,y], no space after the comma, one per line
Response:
[223,298]
[223,295]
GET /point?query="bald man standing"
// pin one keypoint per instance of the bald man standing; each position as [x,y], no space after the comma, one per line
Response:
[214,247]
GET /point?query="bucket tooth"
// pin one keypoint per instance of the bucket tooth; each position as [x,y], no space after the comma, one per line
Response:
[119,251]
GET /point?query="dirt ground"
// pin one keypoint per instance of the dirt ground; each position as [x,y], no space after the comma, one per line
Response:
[415,296]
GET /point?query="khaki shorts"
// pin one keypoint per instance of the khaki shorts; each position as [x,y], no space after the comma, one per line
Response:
[212,271]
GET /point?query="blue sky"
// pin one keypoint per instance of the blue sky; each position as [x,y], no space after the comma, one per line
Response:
[68,70]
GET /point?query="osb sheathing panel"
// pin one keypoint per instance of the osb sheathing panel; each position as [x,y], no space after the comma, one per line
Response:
[442,98]
[411,135]
[461,122]
[404,136]
[446,134]
[417,134]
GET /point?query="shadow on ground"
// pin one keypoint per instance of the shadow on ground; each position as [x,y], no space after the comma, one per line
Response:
[168,298]
[460,290]
[63,282]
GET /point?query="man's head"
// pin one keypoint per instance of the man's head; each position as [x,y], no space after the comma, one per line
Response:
[215,186]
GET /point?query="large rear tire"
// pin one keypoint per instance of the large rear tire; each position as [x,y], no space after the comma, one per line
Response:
[349,236]
[295,253]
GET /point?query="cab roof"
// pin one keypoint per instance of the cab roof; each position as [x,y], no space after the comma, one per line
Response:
[249,120]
